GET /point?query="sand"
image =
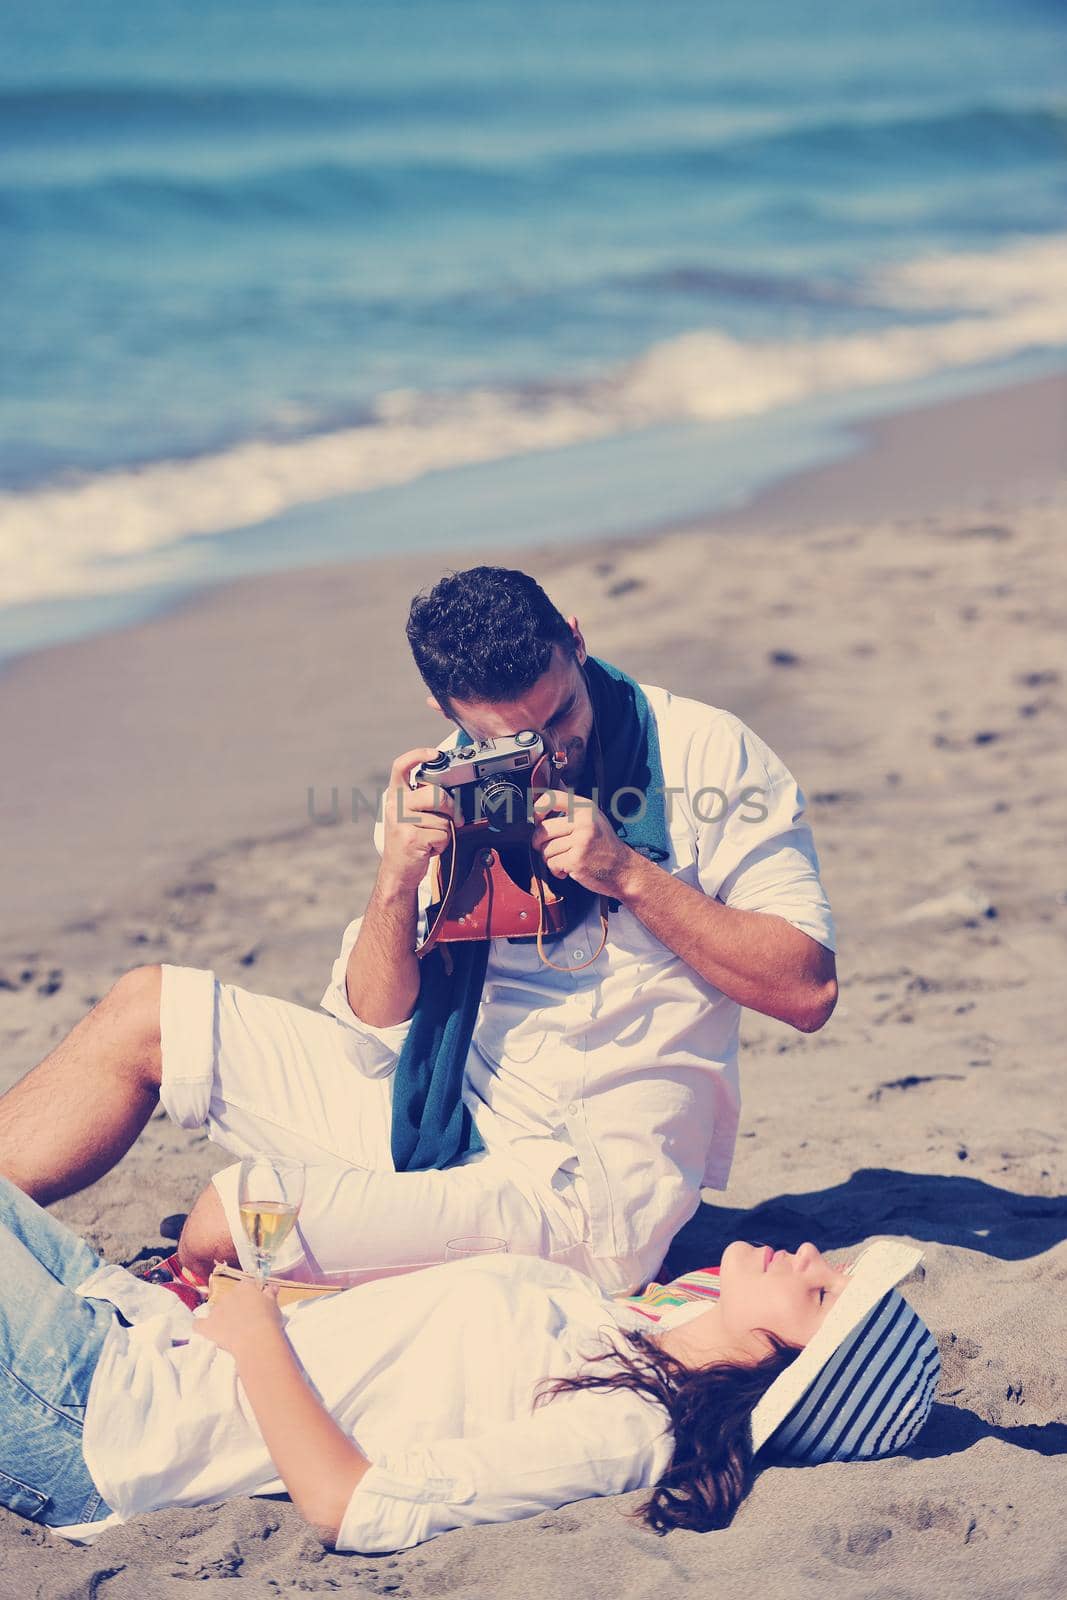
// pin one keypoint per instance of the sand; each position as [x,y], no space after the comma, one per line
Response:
[893,627]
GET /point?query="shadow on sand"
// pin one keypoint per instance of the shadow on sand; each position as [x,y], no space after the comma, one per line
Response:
[877,1201]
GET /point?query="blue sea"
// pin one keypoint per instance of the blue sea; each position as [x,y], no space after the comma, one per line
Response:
[287,282]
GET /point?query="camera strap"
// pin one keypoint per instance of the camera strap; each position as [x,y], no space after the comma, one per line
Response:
[489,882]
[598,769]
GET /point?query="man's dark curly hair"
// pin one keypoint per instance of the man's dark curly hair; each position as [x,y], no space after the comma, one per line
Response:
[485,634]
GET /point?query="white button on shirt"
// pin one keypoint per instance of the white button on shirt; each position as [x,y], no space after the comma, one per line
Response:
[620,1079]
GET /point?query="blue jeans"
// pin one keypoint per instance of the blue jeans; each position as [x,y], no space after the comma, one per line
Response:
[50,1342]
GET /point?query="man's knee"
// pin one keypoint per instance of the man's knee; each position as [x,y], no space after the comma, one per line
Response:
[205,1237]
[141,988]
[135,999]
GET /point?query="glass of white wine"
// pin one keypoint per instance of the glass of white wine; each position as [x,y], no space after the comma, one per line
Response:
[271,1190]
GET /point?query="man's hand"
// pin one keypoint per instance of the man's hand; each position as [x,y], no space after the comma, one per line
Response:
[382,977]
[758,959]
[239,1318]
[415,820]
[577,840]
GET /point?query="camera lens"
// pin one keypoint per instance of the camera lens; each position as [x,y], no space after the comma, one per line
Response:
[501,802]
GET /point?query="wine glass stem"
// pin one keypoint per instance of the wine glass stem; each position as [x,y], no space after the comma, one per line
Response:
[262,1266]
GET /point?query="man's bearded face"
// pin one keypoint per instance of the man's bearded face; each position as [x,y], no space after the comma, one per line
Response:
[557,705]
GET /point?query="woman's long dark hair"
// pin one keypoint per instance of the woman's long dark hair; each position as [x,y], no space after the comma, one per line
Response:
[709,1408]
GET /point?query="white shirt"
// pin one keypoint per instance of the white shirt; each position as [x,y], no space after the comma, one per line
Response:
[431,1374]
[620,1082]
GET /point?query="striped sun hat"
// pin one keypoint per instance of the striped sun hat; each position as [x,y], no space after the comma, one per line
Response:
[864,1384]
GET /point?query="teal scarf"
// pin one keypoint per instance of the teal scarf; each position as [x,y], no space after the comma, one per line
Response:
[431,1126]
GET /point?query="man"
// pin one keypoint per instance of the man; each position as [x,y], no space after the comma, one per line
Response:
[595,1101]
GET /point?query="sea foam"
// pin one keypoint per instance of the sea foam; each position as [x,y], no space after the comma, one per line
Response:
[954,310]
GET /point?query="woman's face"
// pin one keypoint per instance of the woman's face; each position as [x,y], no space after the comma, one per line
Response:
[788,1293]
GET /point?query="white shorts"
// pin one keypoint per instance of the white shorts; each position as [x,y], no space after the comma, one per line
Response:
[268,1076]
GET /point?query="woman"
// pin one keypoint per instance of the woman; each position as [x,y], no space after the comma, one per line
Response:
[410,1405]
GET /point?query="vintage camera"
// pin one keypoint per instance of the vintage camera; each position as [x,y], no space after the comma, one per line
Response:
[489,882]
[489,779]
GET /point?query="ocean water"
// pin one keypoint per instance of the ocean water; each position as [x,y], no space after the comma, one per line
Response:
[474,270]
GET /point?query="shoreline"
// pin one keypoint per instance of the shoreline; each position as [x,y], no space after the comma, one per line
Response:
[623,487]
[114,748]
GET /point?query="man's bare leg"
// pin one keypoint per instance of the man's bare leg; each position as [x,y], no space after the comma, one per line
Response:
[206,1236]
[75,1115]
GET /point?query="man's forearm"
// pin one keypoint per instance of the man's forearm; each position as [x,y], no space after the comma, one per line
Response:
[382,979]
[753,957]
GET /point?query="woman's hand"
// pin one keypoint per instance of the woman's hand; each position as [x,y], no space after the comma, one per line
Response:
[240,1318]
[319,1465]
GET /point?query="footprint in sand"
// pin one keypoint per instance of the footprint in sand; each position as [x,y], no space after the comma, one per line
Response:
[856,1547]
[870,1542]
